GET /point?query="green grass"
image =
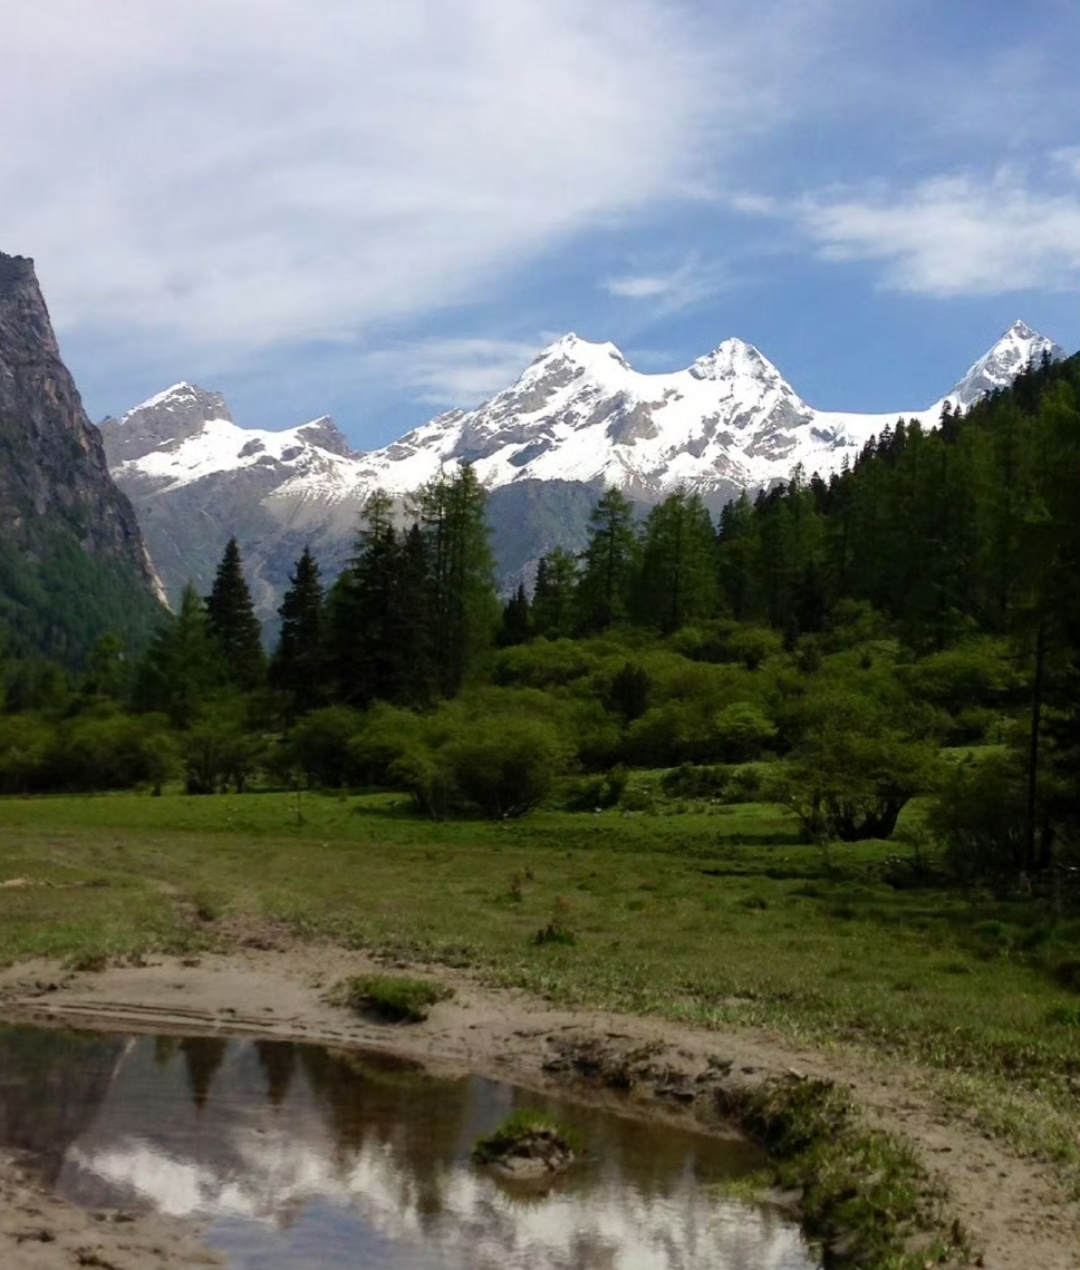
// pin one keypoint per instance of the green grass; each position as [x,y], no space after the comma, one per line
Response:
[518,1128]
[716,918]
[394,998]
[866,1199]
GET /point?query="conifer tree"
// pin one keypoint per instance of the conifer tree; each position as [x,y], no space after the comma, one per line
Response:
[364,612]
[183,667]
[233,624]
[676,579]
[608,562]
[553,599]
[516,619]
[298,666]
[464,607]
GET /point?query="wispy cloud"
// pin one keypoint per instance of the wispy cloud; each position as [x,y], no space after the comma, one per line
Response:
[955,235]
[245,173]
[670,290]
[451,372]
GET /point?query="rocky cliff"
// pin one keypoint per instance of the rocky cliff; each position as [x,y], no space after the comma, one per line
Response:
[56,494]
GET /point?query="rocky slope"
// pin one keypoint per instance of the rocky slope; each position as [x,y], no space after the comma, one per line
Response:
[56,494]
[578,417]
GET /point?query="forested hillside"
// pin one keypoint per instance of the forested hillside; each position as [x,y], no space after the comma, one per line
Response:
[822,647]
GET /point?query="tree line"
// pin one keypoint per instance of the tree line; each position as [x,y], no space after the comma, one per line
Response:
[928,592]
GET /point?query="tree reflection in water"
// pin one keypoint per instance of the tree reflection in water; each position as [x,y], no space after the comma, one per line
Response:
[299,1156]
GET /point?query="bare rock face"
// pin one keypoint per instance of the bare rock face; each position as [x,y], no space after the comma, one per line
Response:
[53,473]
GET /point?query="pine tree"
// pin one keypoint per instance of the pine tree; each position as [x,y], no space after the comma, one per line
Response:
[299,665]
[464,608]
[737,549]
[676,579]
[516,625]
[183,667]
[609,563]
[233,624]
[364,612]
[553,599]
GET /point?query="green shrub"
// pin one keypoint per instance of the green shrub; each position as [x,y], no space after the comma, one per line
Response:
[689,781]
[979,818]
[319,745]
[395,998]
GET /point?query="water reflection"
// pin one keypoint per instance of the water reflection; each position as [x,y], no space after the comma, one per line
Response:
[306,1158]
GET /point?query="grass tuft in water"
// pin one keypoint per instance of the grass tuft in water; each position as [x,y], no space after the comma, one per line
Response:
[520,1130]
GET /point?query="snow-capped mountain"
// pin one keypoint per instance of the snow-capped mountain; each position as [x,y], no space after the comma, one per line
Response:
[579,416]
[1017,349]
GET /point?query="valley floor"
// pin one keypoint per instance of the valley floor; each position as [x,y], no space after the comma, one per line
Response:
[694,938]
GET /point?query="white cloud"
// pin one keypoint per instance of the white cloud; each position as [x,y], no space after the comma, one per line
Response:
[956,235]
[451,372]
[247,173]
[672,290]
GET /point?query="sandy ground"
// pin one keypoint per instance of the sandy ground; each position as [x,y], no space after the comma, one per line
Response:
[1013,1208]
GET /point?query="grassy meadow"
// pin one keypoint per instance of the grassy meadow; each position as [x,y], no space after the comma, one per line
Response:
[703,913]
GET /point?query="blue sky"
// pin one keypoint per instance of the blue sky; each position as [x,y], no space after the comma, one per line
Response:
[382,210]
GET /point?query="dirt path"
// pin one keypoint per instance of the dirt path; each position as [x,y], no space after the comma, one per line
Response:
[1013,1208]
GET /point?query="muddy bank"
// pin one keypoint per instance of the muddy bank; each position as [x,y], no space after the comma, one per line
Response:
[1015,1214]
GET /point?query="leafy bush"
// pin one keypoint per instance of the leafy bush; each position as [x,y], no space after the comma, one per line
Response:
[689,781]
[745,732]
[504,769]
[852,785]
[219,752]
[319,746]
[979,817]
[595,793]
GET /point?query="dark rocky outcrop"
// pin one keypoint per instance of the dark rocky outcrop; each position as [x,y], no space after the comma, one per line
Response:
[52,461]
[56,494]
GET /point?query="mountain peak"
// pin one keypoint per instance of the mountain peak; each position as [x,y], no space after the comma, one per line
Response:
[162,422]
[584,352]
[734,358]
[1018,348]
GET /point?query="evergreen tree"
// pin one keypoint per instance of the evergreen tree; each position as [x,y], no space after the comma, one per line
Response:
[553,599]
[415,669]
[516,627]
[676,578]
[233,624]
[298,666]
[608,563]
[183,668]
[737,545]
[463,605]
[364,612]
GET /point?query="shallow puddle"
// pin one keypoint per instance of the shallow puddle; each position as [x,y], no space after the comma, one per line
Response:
[301,1158]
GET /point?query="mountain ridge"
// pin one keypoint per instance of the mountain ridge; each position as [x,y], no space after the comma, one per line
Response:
[579,414]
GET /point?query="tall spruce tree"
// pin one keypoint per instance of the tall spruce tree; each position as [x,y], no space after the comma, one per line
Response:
[233,624]
[298,666]
[183,667]
[464,607]
[516,619]
[676,577]
[553,614]
[608,562]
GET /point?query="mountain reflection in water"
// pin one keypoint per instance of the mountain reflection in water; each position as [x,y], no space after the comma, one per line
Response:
[300,1158]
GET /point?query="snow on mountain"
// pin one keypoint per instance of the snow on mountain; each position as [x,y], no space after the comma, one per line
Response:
[579,416]
[186,434]
[579,412]
[1017,349]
